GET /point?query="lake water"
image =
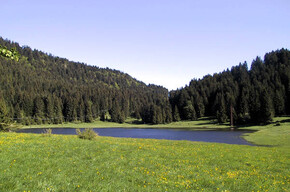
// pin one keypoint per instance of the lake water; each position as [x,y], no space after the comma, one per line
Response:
[217,136]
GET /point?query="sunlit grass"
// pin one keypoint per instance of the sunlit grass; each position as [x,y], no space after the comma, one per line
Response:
[66,163]
[274,134]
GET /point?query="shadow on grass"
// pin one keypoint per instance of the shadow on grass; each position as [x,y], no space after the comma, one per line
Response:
[210,123]
[136,122]
[283,121]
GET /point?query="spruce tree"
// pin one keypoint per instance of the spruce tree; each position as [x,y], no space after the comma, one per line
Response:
[176,116]
[221,112]
[58,115]
[88,112]
[189,111]
[279,103]
[266,110]
[4,119]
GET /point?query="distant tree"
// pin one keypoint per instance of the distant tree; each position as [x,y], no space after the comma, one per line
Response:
[157,116]
[221,112]
[168,115]
[81,114]
[266,110]
[70,112]
[58,115]
[115,112]
[38,109]
[189,111]
[255,104]
[147,113]
[88,112]
[279,103]
[48,109]
[199,106]
[176,116]
[4,119]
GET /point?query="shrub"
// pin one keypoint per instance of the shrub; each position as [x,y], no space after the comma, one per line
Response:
[47,132]
[87,134]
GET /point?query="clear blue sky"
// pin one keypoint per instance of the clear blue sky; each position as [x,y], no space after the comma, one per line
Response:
[165,42]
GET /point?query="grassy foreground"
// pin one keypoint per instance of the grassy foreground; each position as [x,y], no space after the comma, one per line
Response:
[31,162]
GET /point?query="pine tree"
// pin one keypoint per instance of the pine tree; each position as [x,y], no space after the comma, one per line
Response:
[81,113]
[88,112]
[266,110]
[38,110]
[221,112]
[176,116]
[58,116]
[200,109]
[4,119]
[189,111]
[18,114]
[279,103]
[116,114]
[49,113]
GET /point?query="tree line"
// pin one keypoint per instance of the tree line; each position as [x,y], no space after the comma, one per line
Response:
[255,95]
[37,88]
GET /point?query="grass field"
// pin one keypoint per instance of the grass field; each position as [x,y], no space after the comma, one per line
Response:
[31,162]
[66,163]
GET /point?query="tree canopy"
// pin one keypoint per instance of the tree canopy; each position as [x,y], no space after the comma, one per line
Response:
[256,94]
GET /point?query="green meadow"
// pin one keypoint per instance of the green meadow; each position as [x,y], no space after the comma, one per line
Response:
[30,162]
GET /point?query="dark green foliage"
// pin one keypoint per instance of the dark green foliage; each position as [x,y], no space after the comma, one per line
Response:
[255,95]
[279,103]
[116,113]
[4,120]
[266,109]
[176,116]
[41,88]
[221,109]
[88,112]
[48,109]
[58,116]
[189,111]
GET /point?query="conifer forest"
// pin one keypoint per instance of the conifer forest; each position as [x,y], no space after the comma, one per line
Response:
[38,88]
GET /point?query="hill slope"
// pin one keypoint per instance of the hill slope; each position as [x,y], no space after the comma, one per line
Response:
[41,88]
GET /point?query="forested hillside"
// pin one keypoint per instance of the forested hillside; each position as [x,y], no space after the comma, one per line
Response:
[255,95]
[36,87]
[41,88]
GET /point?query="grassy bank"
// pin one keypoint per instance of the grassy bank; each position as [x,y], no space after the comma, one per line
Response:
[274,134]
[66,163]
[133,123]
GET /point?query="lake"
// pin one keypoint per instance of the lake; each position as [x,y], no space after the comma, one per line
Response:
[216,136]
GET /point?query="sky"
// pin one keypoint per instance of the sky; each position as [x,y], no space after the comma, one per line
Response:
[162,42]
